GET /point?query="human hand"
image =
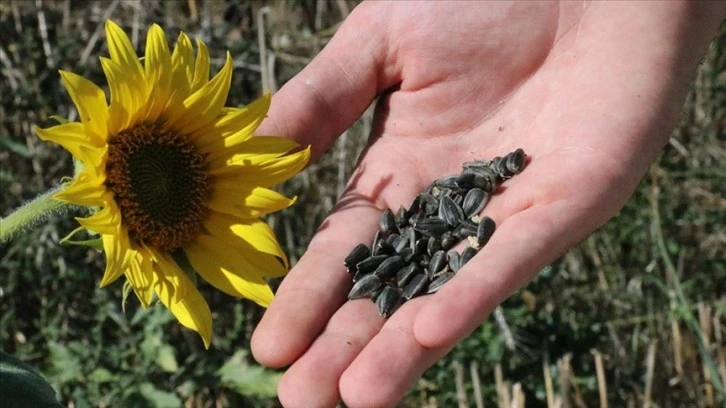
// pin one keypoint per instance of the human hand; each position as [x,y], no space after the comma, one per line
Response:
[589,91]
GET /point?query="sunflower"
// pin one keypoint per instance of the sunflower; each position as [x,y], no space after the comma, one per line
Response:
[176,179]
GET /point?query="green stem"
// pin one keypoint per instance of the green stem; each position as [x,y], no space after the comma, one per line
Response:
[31,214]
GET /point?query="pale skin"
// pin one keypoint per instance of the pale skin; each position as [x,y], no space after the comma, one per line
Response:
[589,91]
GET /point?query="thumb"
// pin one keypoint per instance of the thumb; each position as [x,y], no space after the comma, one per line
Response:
[330,93]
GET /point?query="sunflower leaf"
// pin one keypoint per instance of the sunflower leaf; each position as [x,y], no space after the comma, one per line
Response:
[21,386]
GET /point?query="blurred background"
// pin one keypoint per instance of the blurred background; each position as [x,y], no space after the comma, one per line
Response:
[631,317]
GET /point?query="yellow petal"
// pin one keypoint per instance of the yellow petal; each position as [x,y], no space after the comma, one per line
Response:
[234,126]
[181,62]
[90,102]
[123,53]
[104,222]
[73,137]
[140,276]
[229,196]
[191,310]
[251,235]
[127,98]
[201,68]
[157,72]
[86,189]
[204,105]
[119,254]
[256,150]
[228,270]
[270,172]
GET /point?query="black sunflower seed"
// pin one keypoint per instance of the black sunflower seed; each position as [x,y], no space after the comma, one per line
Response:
[448,240]
[364,287]
[402,217]
[429,203]
[450,212]
[514,161]
[388,223]
[432,226]
[466,256]
[416,286]
[433,246]
[485,230]
[437,283]
[405,274]
[370,264]
[359,253]
[389,267]
[474,202]
[454,259]
[465,180]
[388,301]
[437,263]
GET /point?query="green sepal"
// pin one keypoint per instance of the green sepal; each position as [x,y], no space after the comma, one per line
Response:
[180,258]
[125,294]
[95,243]
[60,119]
[21,386]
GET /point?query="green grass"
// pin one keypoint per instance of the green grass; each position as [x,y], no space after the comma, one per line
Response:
[633,286]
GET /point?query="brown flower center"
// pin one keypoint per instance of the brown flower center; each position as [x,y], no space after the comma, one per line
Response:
[160,183]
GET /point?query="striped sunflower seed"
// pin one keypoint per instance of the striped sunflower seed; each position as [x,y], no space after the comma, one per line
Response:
[364,287]
[359,253]
[450,212]
[485,230]
[437,283]
[416,286]
[388,301]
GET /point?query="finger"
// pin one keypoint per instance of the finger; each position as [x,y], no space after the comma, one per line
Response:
[314,288]
[317,286]
[538,218]
[391,362]
[326,97]
[312,381]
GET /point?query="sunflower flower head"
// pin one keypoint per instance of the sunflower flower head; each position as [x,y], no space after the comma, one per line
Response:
[176,179]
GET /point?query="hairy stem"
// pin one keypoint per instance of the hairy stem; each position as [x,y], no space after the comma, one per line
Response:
[31,214]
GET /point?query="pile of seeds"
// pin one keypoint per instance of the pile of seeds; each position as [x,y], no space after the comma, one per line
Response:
[411,252]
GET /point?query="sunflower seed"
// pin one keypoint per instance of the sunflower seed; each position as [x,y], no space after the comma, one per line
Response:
[474,202]
[400,243]
[382,247]
[377,293]
[433,246]
[359,253]
[465,180]
[454,259]
[448,240]
[447,182]
[450,212]
[515,161]
[429,203]
[485,230]
[402,217]
[416,286]
[421,246]
[466,256]
[389,267]
[406,254]
[432,226]
[364,287]
[388,301]
[466,229]
[415,218]
[437,283]
[387,223]
[370,264]
[437,263]
[405,274]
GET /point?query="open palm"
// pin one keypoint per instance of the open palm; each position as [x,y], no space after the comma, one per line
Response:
[588,91]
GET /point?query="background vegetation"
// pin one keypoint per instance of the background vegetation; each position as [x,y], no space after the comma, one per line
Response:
[633,316]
